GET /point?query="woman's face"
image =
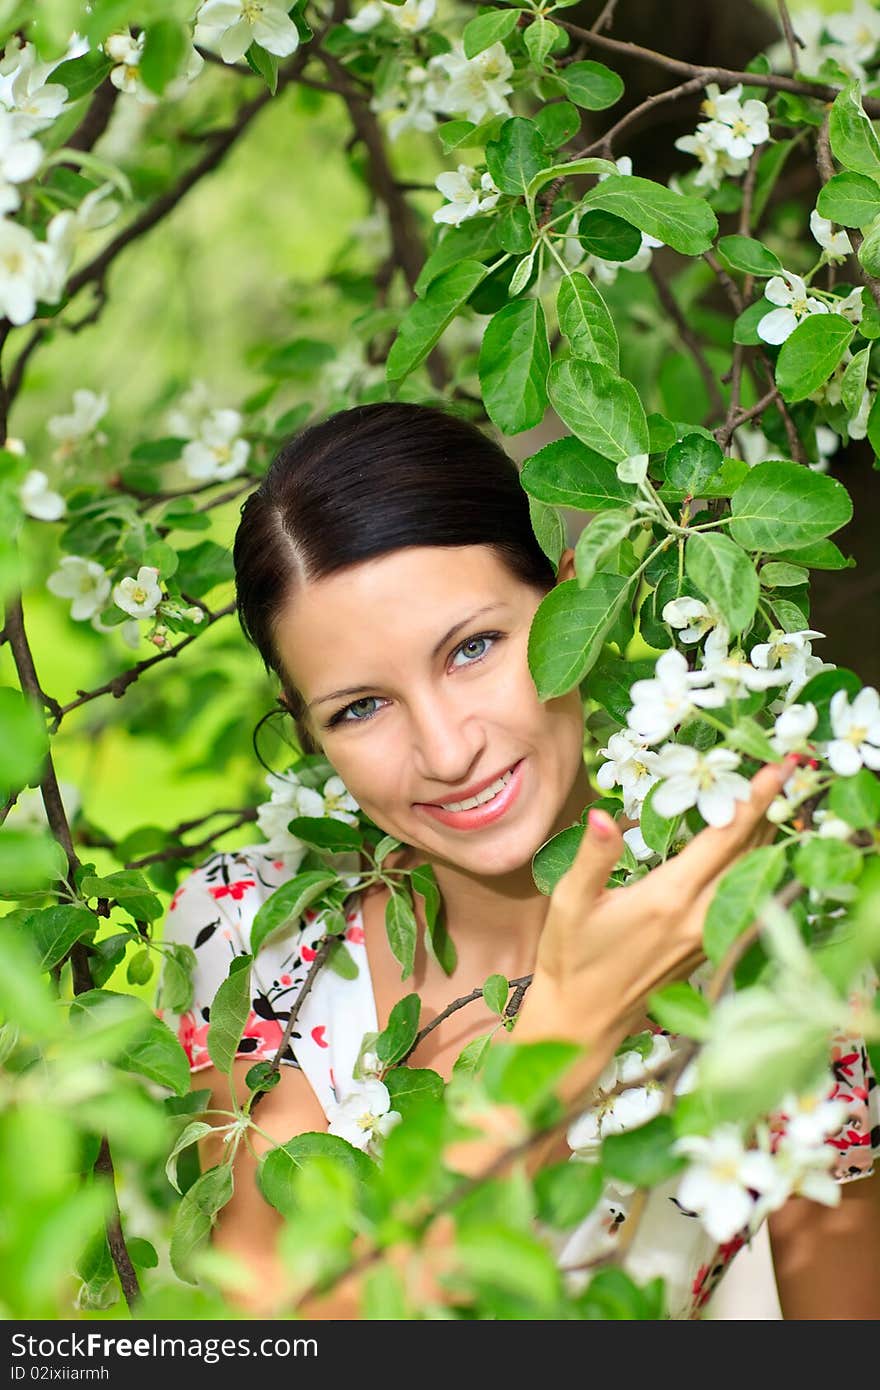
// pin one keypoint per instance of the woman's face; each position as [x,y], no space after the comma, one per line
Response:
[414,670]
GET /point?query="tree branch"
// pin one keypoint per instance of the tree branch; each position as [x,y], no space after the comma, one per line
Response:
[689,339]
[822,91]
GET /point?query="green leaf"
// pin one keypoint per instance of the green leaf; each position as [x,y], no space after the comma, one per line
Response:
[782,576]
[471,1056]
[686,224]
[567,474]
[589,165]
[557,121]
[409,1086]
[29,862]
[590,85]
[567,1192]
[403,1025]
[658,831]
[82,75]
[853,138]
[821,555]
[513,366]
[540,37]
[856,799]
[130,889]
[287,903]
[401,927]
[585,321]
[229,1014]
[549,529]
[809,355]
[739,895]
[486,29]
[568,630]
[195,1217]
[750,738]
[165,45]
[279,1167]
[602,409]
[325,832]
[495,992]
[427,318]
[55,929]
[202,567]
[438,943]
[869,251]
[825,863]
[473,240]
[516,156]
[750,256]
[604,235]
[25,999]
[515,230]
[851,200]
[679,1008]
[780,505]
[554,858]
[854,381]
[643,1156]
[525,1074]
[264,64]
[726,575]
[596,541]
[190,1134]
[691,462]
[23,741]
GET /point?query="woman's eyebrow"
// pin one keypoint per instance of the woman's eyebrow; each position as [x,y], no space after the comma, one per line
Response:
[447,637]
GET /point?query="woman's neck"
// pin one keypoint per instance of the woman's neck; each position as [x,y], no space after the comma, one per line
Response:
[495,922]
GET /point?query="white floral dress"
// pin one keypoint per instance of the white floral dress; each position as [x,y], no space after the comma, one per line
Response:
[212,911]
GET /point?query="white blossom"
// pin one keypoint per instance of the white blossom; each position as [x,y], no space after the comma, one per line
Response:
[720,1179]
[411,17]
[84,581]
[464,200]
[631,766]
[724,143]
[474,88]
[365,1116]
[836,245]
[625,1109]
[218,453]
[669,697]
[638,844]
[857,31]
[856,730]
[793,728]
[24,88]
[731,674]
[22,272]
[795,303]
[89,408]
[789,654]
[803,783]
[737,132]
[185,420]
[290,798]
[141,596]
[829,826]
[708,781]
[231,26]
[38,499]
[693,618]
[367,17]
[29,813]
[417,113]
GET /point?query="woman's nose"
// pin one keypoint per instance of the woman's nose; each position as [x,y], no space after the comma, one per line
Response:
[446,740]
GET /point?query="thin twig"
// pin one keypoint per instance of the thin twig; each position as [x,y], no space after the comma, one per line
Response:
[323,952]
[520,984]
[791,37]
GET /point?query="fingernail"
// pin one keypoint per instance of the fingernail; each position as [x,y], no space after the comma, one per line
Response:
[601,825]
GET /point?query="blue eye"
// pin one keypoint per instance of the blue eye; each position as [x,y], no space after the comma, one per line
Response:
[340,717]
[467,648]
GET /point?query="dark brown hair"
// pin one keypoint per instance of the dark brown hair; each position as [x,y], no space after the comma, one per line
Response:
[362,483]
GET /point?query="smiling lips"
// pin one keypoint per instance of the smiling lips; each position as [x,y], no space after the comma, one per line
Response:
[483,806]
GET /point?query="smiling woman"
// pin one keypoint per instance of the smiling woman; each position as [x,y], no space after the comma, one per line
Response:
[388,573]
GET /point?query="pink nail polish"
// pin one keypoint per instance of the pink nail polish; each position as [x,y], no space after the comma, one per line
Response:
[600,824]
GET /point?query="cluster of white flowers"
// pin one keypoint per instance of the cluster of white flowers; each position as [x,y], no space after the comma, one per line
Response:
[410,18]
[290,798]
[71,431]
[216,450]
[471,89]
[849,38]
[605,271]
[733,1187]
[229,27]
[364,1116]
[615,1110]
[88,585]
[725,142]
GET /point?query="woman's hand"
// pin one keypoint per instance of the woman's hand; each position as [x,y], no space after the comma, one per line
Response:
[607,949]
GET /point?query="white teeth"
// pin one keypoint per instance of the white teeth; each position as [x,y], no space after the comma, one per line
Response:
[481,798]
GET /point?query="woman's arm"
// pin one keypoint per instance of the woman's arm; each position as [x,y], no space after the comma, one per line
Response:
[827,1259]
